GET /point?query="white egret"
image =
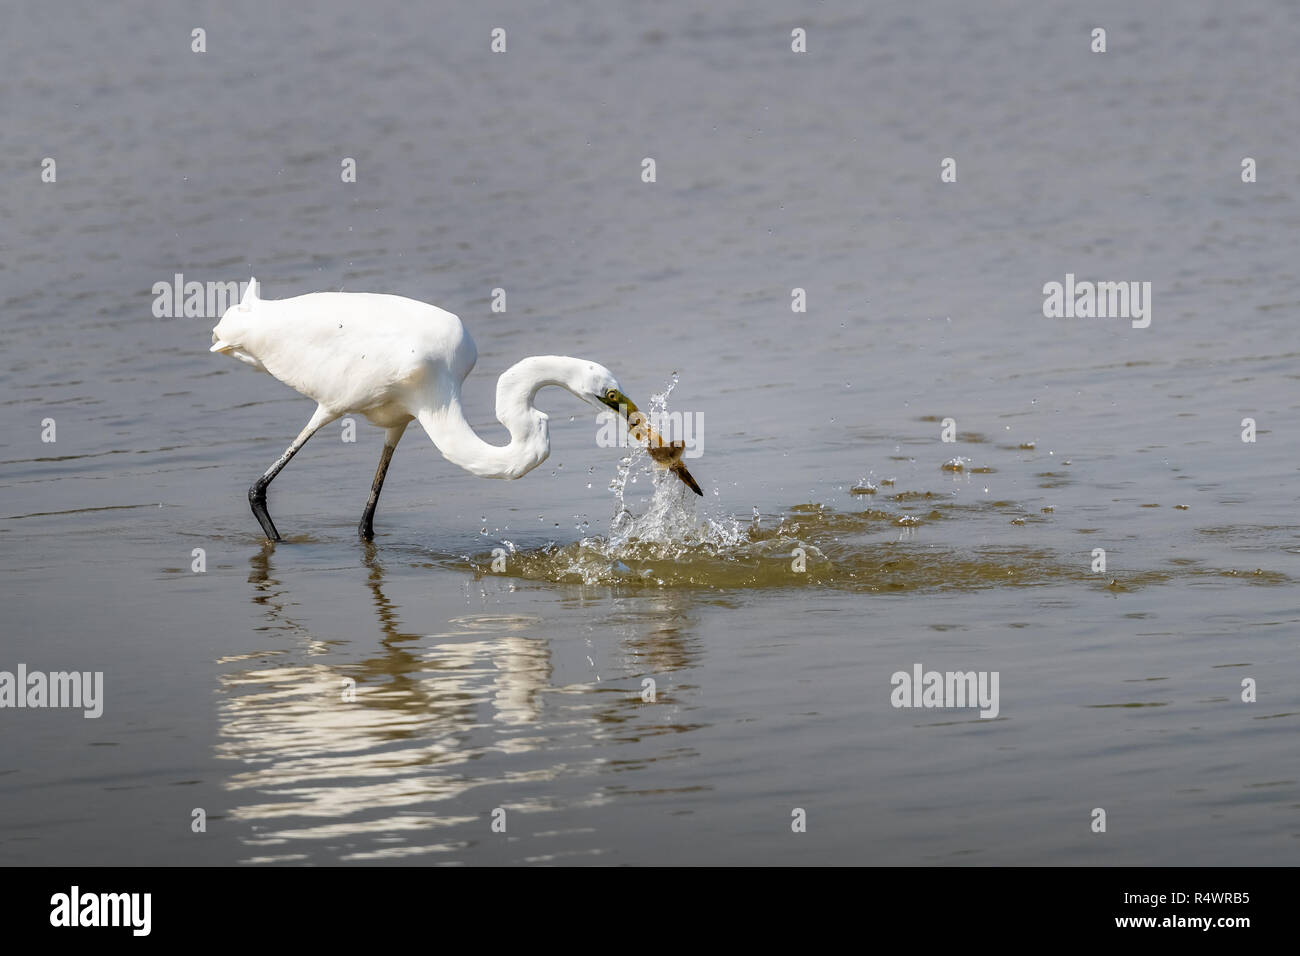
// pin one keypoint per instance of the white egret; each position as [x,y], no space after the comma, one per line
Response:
[395,360]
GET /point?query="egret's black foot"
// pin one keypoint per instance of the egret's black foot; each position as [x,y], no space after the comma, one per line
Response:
[257,500]
[366,530]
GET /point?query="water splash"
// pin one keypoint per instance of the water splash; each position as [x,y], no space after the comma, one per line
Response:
[815,546]
[663,536]
[667,520]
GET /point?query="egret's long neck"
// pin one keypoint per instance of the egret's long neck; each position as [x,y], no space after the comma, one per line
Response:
[444,420]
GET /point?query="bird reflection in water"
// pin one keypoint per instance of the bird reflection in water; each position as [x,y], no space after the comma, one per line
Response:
[435,717]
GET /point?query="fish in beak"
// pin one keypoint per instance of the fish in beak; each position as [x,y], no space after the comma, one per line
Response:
[664,454]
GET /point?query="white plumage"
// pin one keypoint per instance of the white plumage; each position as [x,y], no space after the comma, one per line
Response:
[394,360]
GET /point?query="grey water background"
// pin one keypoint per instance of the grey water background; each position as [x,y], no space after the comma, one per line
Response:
[775,171]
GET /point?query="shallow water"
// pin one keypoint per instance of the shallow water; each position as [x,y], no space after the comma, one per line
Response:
[839,539]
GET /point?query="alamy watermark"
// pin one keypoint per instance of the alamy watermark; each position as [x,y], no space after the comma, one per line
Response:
[935,689]
[76,689]
[686,427]
[75,908]
[195,300]
[1099,300]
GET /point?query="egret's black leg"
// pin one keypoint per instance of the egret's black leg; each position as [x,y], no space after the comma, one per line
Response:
[367,527]
[257,493]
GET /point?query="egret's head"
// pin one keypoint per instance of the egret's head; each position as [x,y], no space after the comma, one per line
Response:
[601,388]
[612,397]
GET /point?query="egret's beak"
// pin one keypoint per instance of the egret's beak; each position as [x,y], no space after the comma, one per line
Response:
[665,454]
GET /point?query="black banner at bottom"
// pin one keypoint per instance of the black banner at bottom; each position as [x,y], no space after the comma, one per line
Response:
[354,904]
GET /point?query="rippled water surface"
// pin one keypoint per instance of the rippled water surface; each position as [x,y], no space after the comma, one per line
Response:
[498,637]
